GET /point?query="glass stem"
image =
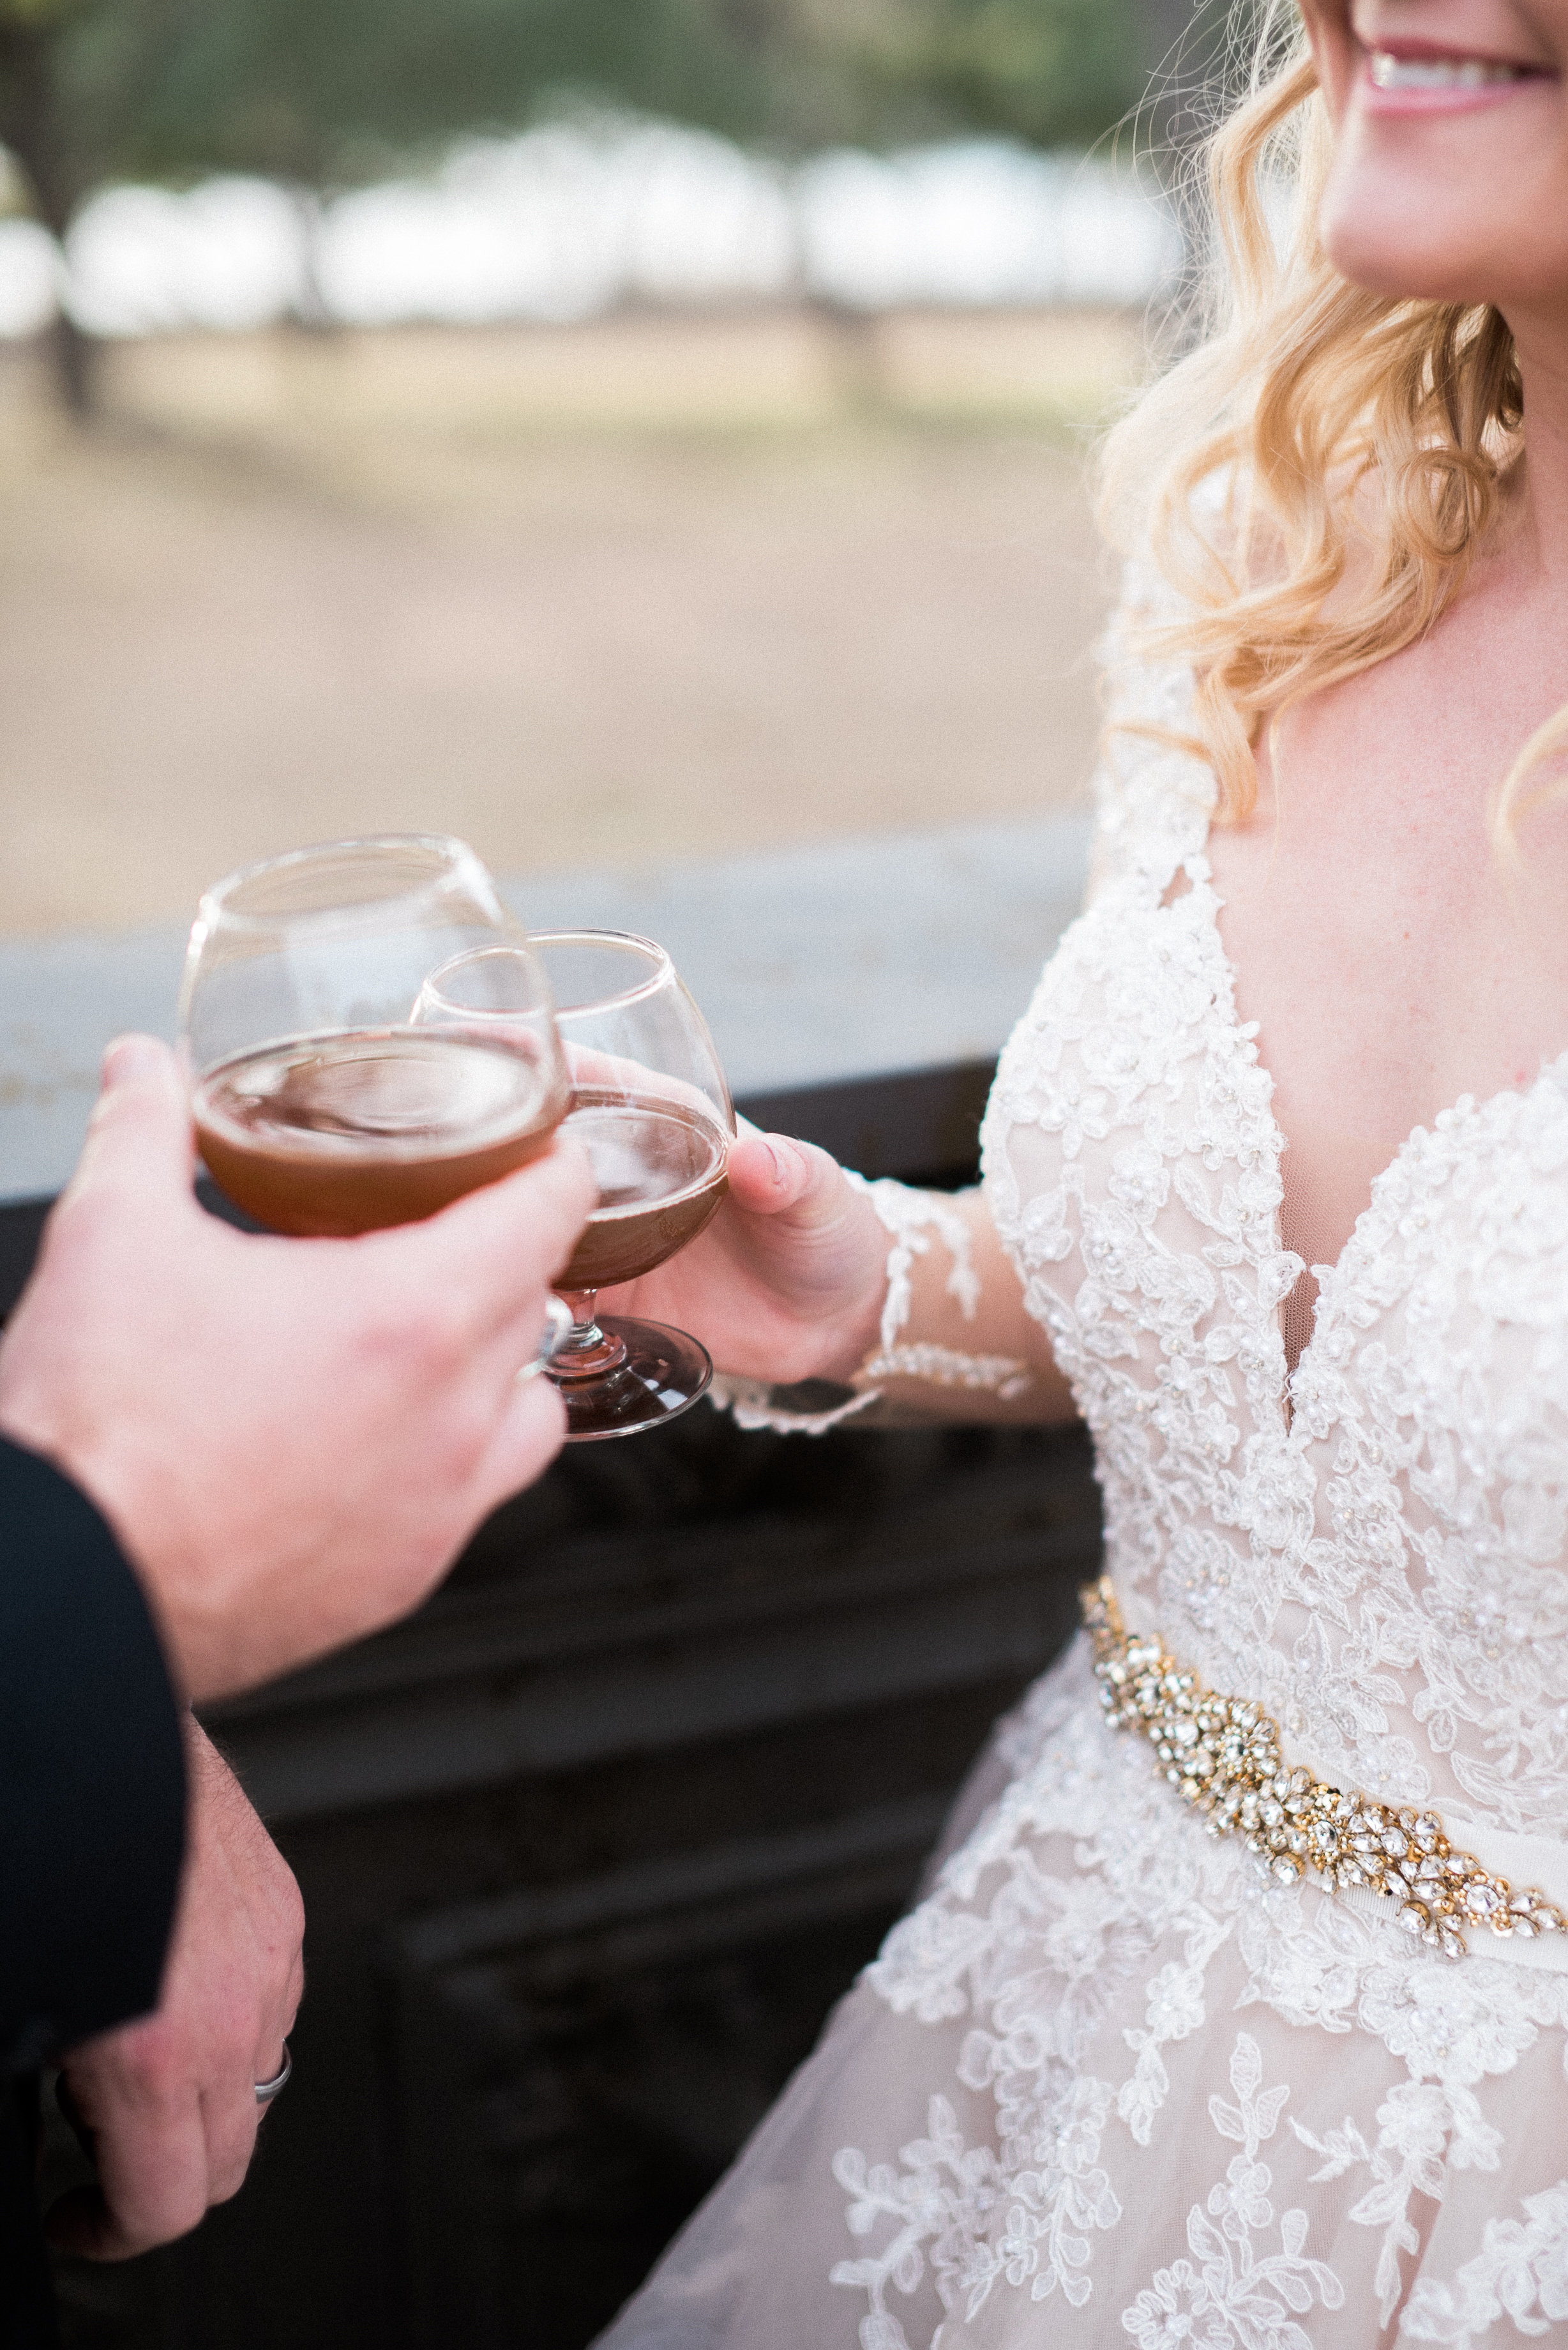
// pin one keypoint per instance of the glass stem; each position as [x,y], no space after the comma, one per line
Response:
[586,1352]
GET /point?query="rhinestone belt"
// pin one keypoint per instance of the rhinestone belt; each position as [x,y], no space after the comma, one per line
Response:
[1222,1755]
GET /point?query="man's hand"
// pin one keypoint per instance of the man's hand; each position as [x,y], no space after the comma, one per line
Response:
[169,2103]
[291,1438]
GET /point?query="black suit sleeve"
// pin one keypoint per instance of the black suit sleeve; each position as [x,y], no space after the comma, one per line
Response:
[92,1773]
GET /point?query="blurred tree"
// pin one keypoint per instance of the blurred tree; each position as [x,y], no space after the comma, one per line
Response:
[1050,72]
[319,94]
[314,91]
[75,76]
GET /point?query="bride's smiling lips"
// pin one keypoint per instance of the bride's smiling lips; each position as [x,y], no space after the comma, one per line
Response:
[1450,175]
[1402,74]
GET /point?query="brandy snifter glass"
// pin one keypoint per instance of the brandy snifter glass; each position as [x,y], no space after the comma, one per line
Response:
[651,1107]
[321,1107]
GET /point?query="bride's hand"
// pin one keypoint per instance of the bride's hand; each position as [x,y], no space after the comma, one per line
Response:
[788,1282]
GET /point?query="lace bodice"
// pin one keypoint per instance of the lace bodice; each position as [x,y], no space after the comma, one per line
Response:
[1381,1563]
[1110,2082]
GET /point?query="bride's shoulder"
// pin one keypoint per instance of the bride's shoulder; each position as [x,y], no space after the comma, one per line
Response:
[1154,788]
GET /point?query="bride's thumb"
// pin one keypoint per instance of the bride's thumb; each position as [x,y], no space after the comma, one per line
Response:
[773,1175]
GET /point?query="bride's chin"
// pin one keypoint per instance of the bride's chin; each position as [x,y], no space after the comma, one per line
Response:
[1432,235]
[1409,261]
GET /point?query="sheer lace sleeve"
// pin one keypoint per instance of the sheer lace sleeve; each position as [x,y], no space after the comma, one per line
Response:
[917,1223]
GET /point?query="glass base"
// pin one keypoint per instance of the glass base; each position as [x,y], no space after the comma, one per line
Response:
[664,1373]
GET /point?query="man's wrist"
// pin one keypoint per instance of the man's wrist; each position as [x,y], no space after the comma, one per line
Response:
[91,1849]
[134,1497]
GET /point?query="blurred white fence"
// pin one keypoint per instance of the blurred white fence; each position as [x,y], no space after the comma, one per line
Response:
[567,220]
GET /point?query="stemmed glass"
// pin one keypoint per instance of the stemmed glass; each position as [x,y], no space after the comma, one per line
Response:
[320,1108]
[650,1106]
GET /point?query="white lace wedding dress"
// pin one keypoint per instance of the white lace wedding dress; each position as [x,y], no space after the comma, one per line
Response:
[1112,2081]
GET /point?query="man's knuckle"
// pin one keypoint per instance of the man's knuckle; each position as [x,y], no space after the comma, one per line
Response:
[230,2049]
[180,2207]
[123,2240]
[229,2174]
[380,1334]
[151,2065]
[448,1331]
[425,1332]
[187,2210]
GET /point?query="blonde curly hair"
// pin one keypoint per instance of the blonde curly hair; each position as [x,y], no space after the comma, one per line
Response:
[1324,415]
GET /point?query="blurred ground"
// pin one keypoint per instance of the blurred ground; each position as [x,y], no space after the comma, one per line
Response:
[645,588]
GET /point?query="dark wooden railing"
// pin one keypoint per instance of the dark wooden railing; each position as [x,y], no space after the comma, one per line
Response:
[591,1843]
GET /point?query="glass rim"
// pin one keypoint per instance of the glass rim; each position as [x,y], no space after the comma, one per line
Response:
[458,861]
[523,948]
[663,966]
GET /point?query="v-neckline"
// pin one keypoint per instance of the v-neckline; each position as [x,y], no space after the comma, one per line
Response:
[1203,885]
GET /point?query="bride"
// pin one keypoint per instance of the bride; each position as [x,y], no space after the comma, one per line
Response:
[1237,2010]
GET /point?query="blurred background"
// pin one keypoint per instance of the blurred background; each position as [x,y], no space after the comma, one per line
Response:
[647,438]
[615,430]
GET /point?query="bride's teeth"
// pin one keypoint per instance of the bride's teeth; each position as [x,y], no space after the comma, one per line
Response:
[1437,73]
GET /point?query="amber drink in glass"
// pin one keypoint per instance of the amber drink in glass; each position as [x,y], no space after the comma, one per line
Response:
[651,1107]
[320,1106]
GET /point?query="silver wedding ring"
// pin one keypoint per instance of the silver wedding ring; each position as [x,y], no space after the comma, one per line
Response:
[267,2090]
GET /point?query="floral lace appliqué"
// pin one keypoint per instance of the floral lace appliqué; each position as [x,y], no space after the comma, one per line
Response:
[1372,1547]
[1238,2291]
[1521,2274]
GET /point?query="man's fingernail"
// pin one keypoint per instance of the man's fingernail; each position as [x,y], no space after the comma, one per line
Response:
[127,1058]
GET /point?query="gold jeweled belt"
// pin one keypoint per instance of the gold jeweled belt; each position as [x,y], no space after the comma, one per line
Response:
[1222,1755]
